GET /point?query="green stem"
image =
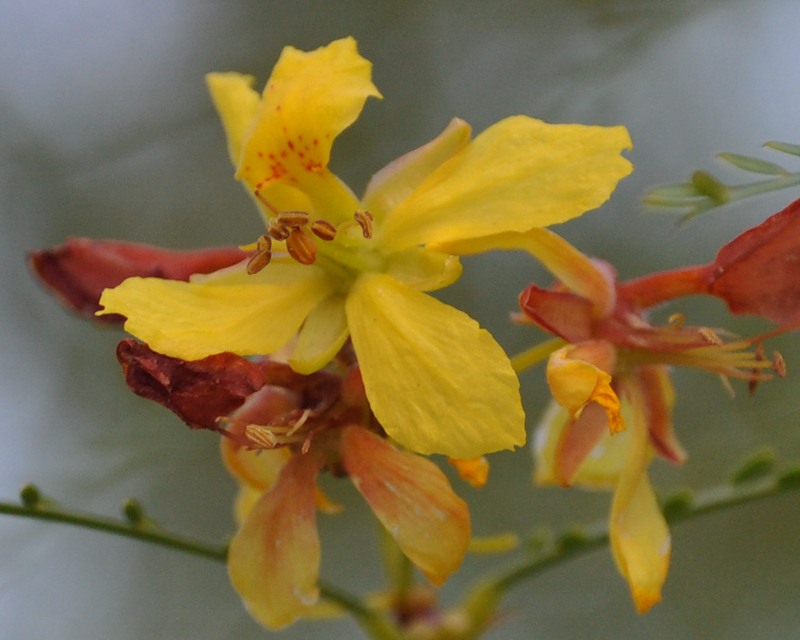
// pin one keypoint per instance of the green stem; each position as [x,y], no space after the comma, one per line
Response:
[575,544]
[145,531]
[138,527]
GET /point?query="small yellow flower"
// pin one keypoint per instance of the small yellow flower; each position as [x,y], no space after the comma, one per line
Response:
[331,267]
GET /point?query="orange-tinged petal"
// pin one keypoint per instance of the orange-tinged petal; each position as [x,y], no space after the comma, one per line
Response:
[310,98]
[659,397]
[396,181]
[412,498]
[435,380]
[274,558]
[579,438]
[192,320]
[600,469]
[474,471]
[640,539]
[575,382]
[517,175]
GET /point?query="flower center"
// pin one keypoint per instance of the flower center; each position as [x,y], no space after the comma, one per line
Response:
[297,230]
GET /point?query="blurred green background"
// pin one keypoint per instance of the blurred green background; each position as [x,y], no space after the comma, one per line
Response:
[106,131]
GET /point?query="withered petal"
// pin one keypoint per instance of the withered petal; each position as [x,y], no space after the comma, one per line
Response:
[79,270]
[198,391]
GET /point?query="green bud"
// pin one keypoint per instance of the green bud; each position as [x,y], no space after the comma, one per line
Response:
[758,465]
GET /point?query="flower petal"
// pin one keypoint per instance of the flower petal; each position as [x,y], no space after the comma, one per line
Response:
[474,471]
[435,380]
[575,380]
[257,469]
[237,104]
[199,392]
[659,397]
[273,561]
[639,535]
[78,270]
[310,98]
[423,269]
[322,336]
[519,174]
[396,181]
[600,469]
[192,320]
[412,498]
[757,271]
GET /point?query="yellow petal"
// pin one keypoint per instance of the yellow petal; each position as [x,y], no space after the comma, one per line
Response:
[273,560]
[436,381]
[517,175]
[423,269]
[237,104]
[396,181]
[192,320]
[574,383]
[639,535]
[574,269]
[256,469]
[310,98]
[322,336]
[413,499]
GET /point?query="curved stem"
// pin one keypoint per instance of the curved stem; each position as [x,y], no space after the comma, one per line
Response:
[138,527]
[145,531]
[575,544]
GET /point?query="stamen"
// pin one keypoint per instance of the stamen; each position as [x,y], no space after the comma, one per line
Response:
[262,256]
[676,320]
[294,219]
[261,436]
[323,229]
[301,247]
[365,221]
[710,336]
[262,199]
[778,364]
[277,229]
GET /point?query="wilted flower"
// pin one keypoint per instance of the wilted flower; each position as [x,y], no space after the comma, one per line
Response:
[609,373]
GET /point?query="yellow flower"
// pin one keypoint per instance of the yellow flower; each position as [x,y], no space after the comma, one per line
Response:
[331,267]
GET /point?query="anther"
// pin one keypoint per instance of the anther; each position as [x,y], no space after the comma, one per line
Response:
[301,247]
[710,336]
[261,437]
[323,229]
[779,364]
[277,230]
[365,221]
[293,219]
[262,256]
[676,320]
